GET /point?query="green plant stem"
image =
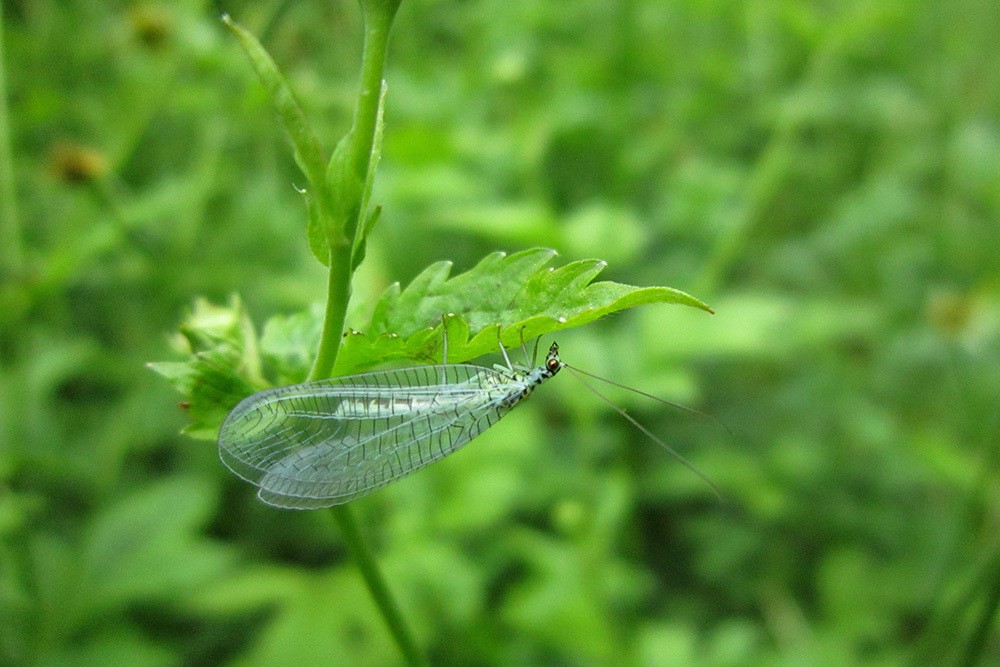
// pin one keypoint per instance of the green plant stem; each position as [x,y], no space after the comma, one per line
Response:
[378,17]
[12,255]
[338,293]
[376,584]
[378,20]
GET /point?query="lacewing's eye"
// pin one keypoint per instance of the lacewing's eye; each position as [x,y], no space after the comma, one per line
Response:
[553,364]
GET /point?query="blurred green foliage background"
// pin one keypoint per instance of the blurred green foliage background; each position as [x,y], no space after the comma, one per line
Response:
[825,174]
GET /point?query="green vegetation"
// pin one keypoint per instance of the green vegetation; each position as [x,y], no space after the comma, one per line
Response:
[827,177]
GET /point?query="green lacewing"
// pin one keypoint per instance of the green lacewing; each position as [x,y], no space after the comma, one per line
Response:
[328,442]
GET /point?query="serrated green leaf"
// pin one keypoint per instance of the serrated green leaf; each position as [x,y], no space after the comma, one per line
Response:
[308,151]
[515,293]
[223,364]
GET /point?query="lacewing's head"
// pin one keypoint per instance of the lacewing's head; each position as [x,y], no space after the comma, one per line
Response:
[552,363]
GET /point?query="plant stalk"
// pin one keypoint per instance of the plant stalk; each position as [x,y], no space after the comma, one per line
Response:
[386,603]
[338,294]
[378,16]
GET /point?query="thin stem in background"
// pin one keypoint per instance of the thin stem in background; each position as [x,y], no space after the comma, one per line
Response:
[763,185]
[386,603]
[11,252]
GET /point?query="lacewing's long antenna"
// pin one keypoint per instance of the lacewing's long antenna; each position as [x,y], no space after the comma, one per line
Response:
[577,373]
[655,398]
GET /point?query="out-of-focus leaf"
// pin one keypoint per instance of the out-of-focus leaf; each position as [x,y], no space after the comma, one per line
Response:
[557,600]
[246,590]
[668,645]
[316,619]
[761,325]
[144,547]
[121,649]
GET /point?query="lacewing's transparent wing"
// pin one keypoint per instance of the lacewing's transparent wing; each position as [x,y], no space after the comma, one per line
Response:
[328,442]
